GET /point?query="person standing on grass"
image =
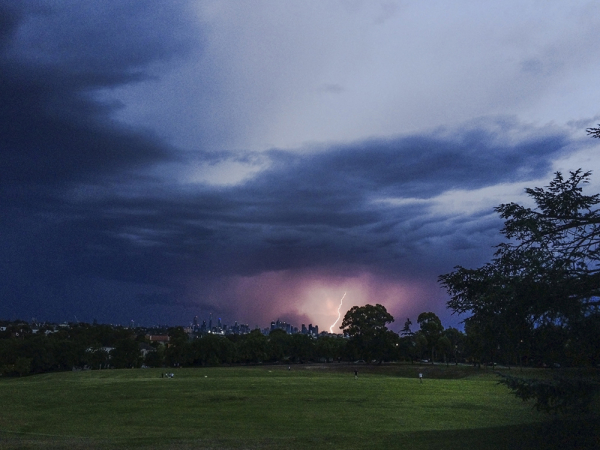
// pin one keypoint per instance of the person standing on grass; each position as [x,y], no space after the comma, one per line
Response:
[420,377]
[356,374]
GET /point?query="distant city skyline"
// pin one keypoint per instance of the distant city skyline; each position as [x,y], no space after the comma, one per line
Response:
[205,327]
[241,328]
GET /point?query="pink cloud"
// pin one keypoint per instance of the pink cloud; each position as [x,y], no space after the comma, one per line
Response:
[313,296]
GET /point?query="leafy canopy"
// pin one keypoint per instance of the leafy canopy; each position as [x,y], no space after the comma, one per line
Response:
[546,276]
[366,320]
[369,337]
[548,269]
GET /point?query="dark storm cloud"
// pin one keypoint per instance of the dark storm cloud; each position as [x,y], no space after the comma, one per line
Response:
[55,134]
[318,209]
[324,209]
[51,128]
[419,166]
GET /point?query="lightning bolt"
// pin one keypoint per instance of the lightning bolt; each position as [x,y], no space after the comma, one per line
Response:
[339,314]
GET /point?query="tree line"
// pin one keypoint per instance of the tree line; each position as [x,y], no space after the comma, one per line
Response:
[25,349]
[366,339]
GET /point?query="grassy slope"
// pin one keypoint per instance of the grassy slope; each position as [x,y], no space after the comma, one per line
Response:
[270,407]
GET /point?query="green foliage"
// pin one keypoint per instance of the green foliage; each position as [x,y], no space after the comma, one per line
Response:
[126,354]
[97,357]
[155,358]
[369,337]
[22,366]
[278,347]
[252,347]
[365,320]
[457,340]
[540,294]
[431,328]
[211,350]
[547,271]
[444,346]
[302,347]
[561,394]
[329,347]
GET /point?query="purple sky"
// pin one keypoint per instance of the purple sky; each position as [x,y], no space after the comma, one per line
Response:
[258,160]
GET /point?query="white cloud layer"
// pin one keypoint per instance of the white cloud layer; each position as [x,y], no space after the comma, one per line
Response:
[284,74]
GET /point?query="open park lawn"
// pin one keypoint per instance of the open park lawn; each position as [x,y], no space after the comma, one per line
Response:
[271,407]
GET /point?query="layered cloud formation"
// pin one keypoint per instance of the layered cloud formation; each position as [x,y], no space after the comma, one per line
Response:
[258,160]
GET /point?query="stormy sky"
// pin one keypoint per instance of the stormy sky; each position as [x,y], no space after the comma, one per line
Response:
[257,160]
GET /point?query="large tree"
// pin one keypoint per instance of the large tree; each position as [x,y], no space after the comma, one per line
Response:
[431,327]
[546,274]
[370,338]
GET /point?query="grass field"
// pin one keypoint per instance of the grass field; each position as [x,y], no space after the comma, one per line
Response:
[270,407]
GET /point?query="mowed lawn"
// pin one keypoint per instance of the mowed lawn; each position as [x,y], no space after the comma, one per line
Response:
[272,407]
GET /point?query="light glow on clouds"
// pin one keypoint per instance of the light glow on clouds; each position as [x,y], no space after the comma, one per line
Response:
[458,202]
[223,174]
[309,296]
